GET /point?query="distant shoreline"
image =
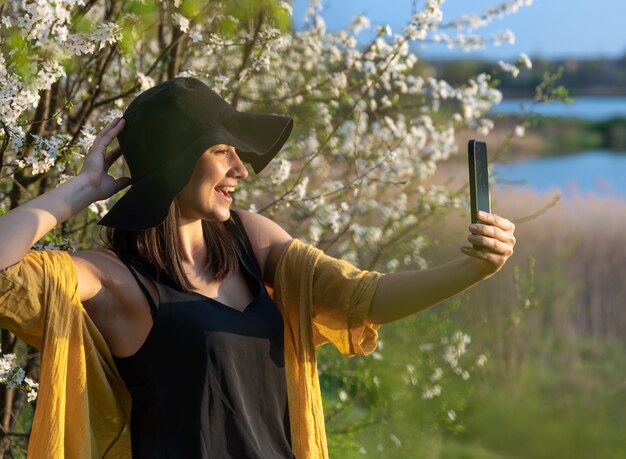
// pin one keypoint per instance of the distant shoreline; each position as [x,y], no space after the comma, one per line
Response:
[549,137]
[589,91]
[604,77]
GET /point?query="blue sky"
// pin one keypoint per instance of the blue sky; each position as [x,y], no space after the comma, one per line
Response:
[548,28]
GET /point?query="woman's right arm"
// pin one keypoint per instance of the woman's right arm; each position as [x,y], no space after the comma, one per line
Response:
[21,227]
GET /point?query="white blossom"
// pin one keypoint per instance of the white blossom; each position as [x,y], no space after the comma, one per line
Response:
[300,188]
[525,61]
[145,81]
[87,137]
[287,7]
[181,21]
[320,25]
[510,68]
[456,348]
[485,125]
[359,23]
[220,83]
[99,208]
[431,392]
[13,376]
[279,170]
[506,36]
[396,441]
[437,375]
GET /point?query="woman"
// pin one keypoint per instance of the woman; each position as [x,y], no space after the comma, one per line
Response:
[206,317]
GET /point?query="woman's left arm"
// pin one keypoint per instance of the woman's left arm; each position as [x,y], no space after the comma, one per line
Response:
[404,293]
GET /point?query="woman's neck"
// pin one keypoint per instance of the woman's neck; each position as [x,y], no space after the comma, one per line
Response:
[192,244]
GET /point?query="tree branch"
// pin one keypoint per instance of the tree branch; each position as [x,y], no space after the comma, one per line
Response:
[247,51]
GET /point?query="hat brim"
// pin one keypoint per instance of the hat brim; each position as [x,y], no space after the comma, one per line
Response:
[257,137]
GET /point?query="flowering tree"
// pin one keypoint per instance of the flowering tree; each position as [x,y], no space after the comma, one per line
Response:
[369,127]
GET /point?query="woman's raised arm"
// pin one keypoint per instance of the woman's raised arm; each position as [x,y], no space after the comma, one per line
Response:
[21,227]
[401,294]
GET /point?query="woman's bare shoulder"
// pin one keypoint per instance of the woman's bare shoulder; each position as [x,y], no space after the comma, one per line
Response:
[113,299]
[268,240]
[96,269]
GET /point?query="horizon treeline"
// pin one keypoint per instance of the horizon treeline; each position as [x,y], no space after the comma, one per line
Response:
[582,77]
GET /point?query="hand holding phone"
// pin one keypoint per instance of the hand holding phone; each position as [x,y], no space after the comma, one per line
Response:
[480,198]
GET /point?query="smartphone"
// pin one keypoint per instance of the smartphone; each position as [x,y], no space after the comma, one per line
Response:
[480,198]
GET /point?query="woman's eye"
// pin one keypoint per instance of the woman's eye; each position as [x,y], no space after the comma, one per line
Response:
[222,151]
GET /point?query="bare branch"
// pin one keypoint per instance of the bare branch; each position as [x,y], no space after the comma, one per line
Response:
[538,213]
[247,51]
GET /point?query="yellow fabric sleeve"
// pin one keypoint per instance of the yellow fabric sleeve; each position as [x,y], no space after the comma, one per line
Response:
[23,296]
[341,297]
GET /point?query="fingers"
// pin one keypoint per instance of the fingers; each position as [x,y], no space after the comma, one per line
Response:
[122,183]
[112,156]
[496,220]
[112,129]
[480,254]
[106,135]
[493,245]
[494,234]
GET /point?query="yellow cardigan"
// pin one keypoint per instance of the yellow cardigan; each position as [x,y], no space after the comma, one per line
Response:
[83,406]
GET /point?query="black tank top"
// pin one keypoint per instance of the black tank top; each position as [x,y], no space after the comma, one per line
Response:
[209,380]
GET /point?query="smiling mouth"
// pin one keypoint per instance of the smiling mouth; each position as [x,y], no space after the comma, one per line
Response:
[224,194]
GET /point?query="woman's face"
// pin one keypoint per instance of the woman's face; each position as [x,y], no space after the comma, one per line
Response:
[218,167]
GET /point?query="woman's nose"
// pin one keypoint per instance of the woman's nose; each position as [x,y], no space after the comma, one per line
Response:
[239,166]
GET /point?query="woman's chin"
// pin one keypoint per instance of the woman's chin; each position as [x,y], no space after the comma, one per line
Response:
[210,215]
[220,215]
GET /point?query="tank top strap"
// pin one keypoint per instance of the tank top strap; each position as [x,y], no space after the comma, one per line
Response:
[247,256]
[153,307]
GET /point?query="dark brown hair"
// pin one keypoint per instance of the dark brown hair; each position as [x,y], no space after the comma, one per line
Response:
[160,247]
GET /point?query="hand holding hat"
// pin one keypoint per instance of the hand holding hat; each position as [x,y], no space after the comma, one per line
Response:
[98,161]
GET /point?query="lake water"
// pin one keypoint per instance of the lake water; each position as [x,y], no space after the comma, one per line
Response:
[590,108]
[600,172]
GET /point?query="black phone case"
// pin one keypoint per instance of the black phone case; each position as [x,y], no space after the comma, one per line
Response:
[479,180]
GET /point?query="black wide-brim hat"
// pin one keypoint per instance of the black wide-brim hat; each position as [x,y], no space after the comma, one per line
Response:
[167,128]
